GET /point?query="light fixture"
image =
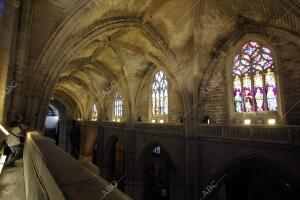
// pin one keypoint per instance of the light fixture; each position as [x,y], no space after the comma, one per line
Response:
[271,121]
[161,121]
[208,121]
[114,120]
[153,121]
[4,130]
[118,120]
[247,121]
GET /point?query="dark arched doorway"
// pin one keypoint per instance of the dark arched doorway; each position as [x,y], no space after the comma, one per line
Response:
[156,176]
[117,163]
[52,126]
[253,179]
[95,154]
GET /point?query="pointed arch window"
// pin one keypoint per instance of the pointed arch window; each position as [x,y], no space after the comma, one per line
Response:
[254,80]
[94,113]
[118,105]
[160,94]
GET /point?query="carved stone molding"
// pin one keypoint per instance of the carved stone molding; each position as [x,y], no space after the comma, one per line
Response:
[15,3]
[276,134]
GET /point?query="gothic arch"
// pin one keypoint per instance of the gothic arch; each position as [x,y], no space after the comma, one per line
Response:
[173,181]
[59,56]
[65,116]
[98,29]
[235,166]
[264,33]
[146,150]
[109,145]
[145,86]
[114,159]
[71,101]
[222,60]
[229,63]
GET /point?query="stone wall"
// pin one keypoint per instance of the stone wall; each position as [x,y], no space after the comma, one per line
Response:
[207,155]
[290,77]
[216,102]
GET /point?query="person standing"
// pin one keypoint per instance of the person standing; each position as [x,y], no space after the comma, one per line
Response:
[14,143]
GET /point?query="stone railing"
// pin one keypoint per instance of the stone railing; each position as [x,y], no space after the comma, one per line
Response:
[175,129]
[258,133]
[114,124]
[275,134]
[52,174]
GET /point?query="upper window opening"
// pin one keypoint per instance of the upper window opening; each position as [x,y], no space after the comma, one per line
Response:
[94,113]
[118,105]
[160,94]
[254,80]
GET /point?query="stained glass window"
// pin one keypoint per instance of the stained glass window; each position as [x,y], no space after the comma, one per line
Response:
[258,91]
[160,94]
[271,90]
[247,92]
[94,113]
[237,93]
[254,80]
[118,105]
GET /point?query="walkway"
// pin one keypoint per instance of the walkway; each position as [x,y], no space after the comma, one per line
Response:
[12,182]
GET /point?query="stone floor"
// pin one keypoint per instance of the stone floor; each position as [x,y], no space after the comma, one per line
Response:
[12,182]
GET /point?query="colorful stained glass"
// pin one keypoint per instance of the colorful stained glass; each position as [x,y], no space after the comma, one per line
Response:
[118,105]
[266,50]
[247,92]
[253,63]
[160,94]
[94,113]
[271,90]
[258,92]
[236,58]
[257,67]
[237,94]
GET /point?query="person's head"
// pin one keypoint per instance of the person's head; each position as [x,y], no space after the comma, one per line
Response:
[14,127]
[13,123]
[19,118]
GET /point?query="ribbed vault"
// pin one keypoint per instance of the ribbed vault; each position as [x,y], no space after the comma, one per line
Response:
[82,48]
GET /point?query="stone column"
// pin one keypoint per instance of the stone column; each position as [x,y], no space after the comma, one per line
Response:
[7,54]
[19,95]
[87,141]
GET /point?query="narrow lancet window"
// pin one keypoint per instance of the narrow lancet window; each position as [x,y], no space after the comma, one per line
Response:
[160,94]
[118,105]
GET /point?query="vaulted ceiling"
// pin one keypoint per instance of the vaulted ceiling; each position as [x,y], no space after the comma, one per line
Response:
[189,33]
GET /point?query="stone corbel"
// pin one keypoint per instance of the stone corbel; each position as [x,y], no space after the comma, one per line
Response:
[15,3]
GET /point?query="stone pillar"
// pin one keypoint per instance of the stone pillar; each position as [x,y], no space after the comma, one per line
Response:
[130,161]
[7,54]
[87,142]
[20,95]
